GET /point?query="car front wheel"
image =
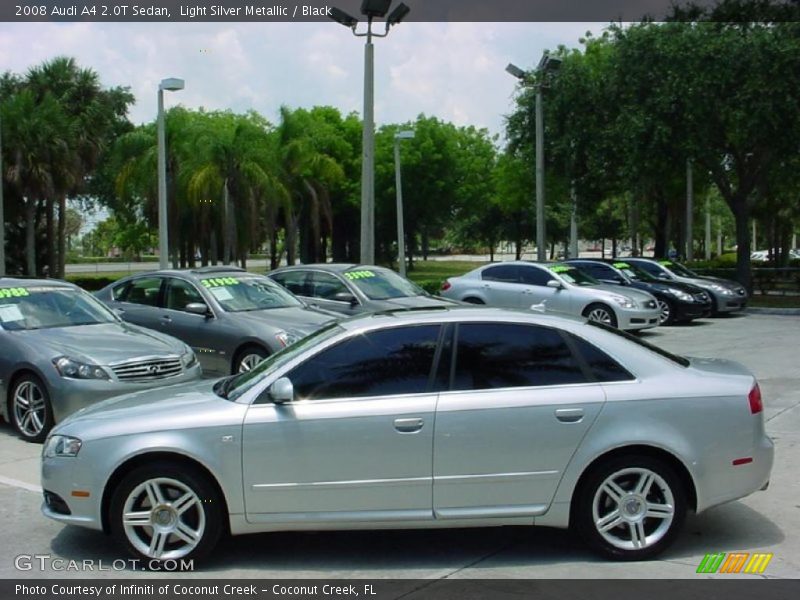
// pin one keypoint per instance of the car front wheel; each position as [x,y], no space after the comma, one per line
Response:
[29,408]
[600,313]
[666,313]
[165,512]
[248,358]
[630,508]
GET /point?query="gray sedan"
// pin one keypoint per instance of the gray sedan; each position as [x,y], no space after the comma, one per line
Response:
[555,287]
[421,418]
[233,319]
[62,350]
[354,289]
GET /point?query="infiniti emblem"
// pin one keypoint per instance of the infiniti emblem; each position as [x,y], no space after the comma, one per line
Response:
[154,369]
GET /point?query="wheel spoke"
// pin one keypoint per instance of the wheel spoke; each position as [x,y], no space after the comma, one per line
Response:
[659,511]
[184,503]
[613,491]
[137,518]
[37,421]
[154,493]
[157,543]
[645,483]
[610,521]
[186,533]
[638,536]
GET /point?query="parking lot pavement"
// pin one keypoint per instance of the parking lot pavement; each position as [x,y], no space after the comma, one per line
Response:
[764,522]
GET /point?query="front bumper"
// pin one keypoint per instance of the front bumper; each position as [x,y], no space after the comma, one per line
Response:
[70,395]
[630,319]
[687,311]
[61,477]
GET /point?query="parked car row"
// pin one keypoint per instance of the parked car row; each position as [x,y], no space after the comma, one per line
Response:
[630,293]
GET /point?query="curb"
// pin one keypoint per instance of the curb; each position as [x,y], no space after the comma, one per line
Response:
[785,312]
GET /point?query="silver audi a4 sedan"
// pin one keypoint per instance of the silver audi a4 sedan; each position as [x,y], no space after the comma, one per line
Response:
[231,318]
[554,287]
[539,420]
[61,350]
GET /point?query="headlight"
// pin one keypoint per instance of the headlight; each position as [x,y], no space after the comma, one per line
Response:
[624,302]
[285,338]
[61,445]
[73,369]
[680,294]
[189,358]
[721,289]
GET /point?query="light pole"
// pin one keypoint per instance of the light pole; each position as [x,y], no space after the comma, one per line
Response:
[171,85]
[547,64]
[2,214]
[689,211]
[401,240]
[370,9]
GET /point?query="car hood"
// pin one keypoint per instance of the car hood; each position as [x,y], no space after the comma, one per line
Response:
[102,344]
[618,290]
[180,406]
[293,318]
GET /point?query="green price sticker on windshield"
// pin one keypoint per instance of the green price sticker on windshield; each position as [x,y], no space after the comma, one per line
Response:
[13,293]
[622,265]
[219,282]
[666,263]
[560,269]
[353,275]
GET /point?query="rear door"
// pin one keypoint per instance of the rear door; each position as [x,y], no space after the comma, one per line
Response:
[518,406]
[138,301]
[500,285]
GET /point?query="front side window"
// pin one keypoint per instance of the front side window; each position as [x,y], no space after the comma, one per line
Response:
[180,293]
[376,363]
[27,308]
[248,293]
[677,269]
[534,276]
[506,355]
[326,286]
[652,269]
[572,275]
[142,291]
[294,281]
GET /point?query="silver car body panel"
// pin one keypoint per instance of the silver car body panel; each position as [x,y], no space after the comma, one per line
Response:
[478,458]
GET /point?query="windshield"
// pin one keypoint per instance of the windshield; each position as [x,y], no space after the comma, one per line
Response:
[633,272]
[382,284]
[247,293]
[234,387]
[572,275]
[676,268]
[40,307]
[680,360]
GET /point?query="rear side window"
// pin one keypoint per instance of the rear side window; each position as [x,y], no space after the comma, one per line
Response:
[507,273]
[142,291]
[506,355]
[294,281]
[603,367]
[378,363]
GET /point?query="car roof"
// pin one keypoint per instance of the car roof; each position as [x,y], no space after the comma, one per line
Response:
[25,281]
[330,267]
[200,272]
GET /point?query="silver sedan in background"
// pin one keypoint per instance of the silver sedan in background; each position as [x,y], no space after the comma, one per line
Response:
[62,350]
[539,419]
[554,287]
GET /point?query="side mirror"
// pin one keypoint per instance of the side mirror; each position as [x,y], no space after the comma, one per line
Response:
[281,391]
[555,284]
[345,297]
[197,308]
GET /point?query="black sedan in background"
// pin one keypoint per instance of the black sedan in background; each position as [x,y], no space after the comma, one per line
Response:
[677,301]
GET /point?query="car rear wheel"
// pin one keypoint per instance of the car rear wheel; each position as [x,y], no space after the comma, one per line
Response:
[630,508]
[248,358]
[600,313]
[30,410]
[666,314]
[165,512]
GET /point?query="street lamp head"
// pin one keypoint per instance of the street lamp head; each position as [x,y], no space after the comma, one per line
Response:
[342,17]
[549,63]
[397,15]
[515,71]
[375,8]
[172,84]
[404,135]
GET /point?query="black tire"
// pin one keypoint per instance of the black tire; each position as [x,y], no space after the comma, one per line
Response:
[596,308]
[246,354]
[665,496]
[32,424]
[202,514]
[472,300]
[666,315]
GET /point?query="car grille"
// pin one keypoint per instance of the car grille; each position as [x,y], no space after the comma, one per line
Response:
[148,369]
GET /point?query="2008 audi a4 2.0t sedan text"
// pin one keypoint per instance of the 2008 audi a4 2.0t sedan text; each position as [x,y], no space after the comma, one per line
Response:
[539,420]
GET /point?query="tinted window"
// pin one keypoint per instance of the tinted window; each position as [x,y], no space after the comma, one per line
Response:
[502,355]
[294,281]
[603,367]
[378,363]
[143,291]
[118,292]
[506,273]
[597,271]
[572,275]
[534,276]
[180,293]
[26,308]
[326,286]
[650,268]
[640,342]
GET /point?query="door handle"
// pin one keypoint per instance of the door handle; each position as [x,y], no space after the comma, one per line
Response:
[569,415]
[408,425]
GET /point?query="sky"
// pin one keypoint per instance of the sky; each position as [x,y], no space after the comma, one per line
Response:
[454,71]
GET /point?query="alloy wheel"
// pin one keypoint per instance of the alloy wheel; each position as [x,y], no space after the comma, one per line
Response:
[163,518]
[665,312]
[249,362]
[601,315]
[30,409]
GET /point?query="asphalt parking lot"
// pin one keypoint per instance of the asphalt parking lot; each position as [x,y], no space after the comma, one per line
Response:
[767,521]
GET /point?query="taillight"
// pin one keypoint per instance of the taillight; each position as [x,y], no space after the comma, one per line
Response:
[756,406]
[446,286]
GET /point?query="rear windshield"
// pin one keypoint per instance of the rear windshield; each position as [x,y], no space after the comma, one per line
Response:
[678,360]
